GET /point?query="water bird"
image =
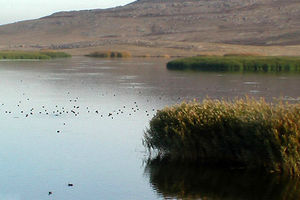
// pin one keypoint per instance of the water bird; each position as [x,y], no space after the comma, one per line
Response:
[49,193]
[109,114]
[70,185]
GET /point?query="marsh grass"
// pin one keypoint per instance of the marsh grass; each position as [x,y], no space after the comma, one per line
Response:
[110,54]
[32,55]
[245,133]
[237,63]
[54,54]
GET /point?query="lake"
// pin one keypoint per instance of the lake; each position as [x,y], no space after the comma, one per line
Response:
[81,121]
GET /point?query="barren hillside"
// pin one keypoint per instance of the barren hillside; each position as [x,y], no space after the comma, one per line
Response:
[163,22]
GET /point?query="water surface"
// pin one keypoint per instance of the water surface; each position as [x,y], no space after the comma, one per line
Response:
[81,121]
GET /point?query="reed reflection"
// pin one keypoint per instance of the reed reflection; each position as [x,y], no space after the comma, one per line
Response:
[172,179]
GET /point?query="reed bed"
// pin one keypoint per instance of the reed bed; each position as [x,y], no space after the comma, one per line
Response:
[110,54]
[244,133]
[32,55]
[237,63]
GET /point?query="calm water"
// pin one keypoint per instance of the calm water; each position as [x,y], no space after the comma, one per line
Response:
[81,121]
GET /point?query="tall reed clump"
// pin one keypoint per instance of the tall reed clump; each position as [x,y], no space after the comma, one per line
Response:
[245,133]
[110,54]
[237,63]
[32,55]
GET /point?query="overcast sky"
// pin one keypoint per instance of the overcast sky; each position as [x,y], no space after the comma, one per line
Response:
[19,10]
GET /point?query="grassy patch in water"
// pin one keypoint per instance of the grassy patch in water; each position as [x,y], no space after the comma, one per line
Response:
[110,54]
[32,55]
[55,54]
[237,63]
[245,133]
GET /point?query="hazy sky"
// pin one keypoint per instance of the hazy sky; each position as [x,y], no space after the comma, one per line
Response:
[18,10]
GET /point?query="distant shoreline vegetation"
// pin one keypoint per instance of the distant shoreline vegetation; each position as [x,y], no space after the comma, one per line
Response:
[39,55]
[244,134]
[109,54]
[237,63]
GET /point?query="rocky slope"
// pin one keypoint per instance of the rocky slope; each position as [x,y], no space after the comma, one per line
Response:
[153,22]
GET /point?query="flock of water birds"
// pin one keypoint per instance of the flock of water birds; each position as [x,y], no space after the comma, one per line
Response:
[26,108]
[73,108]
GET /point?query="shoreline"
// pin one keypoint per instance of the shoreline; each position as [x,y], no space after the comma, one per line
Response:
[171,49]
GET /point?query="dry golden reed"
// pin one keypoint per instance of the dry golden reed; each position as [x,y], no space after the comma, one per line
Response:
[110,54]
[244,133]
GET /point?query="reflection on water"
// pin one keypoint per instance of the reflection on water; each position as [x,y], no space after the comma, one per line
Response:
[174,180]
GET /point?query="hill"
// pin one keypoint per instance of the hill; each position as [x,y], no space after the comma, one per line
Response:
[173,24]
